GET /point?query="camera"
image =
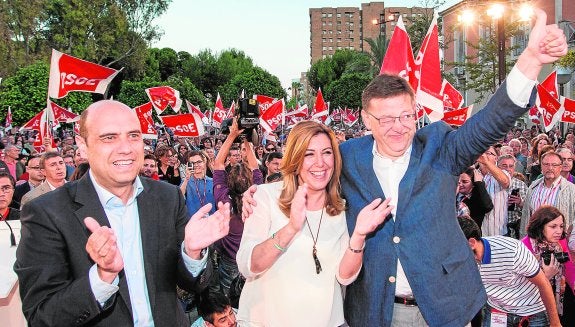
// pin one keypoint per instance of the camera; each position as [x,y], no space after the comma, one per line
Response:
[561,257]
[191,165]
[511,207]
[248,117]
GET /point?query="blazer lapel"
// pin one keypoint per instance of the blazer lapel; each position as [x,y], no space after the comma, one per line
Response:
[406,184]
[90,206]
[149,227]
[364,162]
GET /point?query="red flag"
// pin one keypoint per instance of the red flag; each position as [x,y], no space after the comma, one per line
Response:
[336,115]
[534,115]
[400,61]
[195,110]
[76,128]
[272,117]
[34,123]
[184,125]
[320,109]
[428,73]
[8,123]
[264,101]
[162,96]
[144,113]
[549,107]
[350,117]
[550,84]
[62,115]
[219,112]
[300,112]
[458,116]
[68,73]
[451,97]
[230,113]
[569,112]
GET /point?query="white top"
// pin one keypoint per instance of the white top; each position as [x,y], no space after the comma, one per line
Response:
[495,222]
[290,291]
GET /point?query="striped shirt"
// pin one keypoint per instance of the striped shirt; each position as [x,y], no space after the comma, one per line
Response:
[505,268]
[545,195]
[495,222]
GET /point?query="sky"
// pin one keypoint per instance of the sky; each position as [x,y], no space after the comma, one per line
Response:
[274,33]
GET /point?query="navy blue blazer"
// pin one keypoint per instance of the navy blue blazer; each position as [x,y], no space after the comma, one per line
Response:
[434,253]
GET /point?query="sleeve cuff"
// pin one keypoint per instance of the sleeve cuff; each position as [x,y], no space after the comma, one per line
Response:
[102,290]
[519,87]
[195,267]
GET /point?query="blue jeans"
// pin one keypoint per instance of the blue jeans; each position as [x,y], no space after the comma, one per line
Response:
[227,270]
[536,320]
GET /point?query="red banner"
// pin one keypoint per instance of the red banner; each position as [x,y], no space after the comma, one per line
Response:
[400,61]
[68,73]
[569,112]
[162,96]
[457,117]
[273,117]
[144,113]
[320,109]
[219,112]
[264,101]
[451,97]
[184,125]
[549,107]
[62,115]
[196,110]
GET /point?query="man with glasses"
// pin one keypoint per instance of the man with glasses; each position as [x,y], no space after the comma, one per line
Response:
[417,269]
[497,183]
[552,189]
[517,192]
[7,183]
[35,178]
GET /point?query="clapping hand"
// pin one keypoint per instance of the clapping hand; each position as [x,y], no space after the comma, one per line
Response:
[202,230]
[103,250]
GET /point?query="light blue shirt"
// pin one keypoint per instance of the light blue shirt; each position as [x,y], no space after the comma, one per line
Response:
[125,221]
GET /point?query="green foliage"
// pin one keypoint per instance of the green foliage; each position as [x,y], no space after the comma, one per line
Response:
[255,81]
[568,60]
[346,91]
[377,50]
[25,93]
[327,70]
[417,29]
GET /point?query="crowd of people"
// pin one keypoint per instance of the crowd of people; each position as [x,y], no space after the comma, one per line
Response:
[397,226]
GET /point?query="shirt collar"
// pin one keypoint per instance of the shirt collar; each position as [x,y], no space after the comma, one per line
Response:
[403,159]
[486,252]
[108,199]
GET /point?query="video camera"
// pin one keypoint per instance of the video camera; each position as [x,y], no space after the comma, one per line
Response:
[248,117]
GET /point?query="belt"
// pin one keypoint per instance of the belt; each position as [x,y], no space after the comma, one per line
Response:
[408,301]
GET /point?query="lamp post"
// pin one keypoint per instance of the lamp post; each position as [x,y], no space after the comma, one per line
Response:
[382,22]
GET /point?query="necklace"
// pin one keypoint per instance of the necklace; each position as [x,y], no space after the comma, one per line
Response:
[314,253]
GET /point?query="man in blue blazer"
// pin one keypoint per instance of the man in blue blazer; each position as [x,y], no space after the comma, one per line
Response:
[110,248]
[417,267]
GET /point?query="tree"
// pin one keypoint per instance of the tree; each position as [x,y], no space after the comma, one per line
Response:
[324,71]
[346,91]
[25,93]
[255,81]
[419,24]
[377,50]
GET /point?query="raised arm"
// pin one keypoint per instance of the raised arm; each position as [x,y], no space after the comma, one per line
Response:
[220,161]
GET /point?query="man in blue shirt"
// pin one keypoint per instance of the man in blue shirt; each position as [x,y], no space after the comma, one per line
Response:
[102,251]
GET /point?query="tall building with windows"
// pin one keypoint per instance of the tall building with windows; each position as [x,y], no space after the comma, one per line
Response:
[348,27]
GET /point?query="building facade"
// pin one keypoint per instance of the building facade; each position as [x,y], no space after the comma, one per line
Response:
[332,29]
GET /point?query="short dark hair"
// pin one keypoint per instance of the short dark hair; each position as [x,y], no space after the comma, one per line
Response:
[385,86]
[540,218]
[48,155]
[469,228]
[7,174]
[274,155]
[274,177]
[150,157]
[212,303]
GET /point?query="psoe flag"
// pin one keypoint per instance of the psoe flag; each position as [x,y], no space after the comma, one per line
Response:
[68,73]
[185,125]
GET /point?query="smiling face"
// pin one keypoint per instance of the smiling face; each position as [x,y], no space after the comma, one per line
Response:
[317,167]
[395,137]
[113,144]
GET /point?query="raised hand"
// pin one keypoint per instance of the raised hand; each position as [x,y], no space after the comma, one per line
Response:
[248,202]
[298,208]
[202,231]
[103,250]
[371,216]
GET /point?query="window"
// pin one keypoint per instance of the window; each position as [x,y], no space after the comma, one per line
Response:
[339,39]
[459,39]
[329,15]
[324,48]
[338,15]
[519,41]
[323,40]
[323,15]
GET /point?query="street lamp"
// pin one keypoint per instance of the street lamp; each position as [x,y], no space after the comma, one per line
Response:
[497,12]
[382,22]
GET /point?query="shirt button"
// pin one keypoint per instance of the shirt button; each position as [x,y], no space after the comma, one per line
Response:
[396,239]
[392,279]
